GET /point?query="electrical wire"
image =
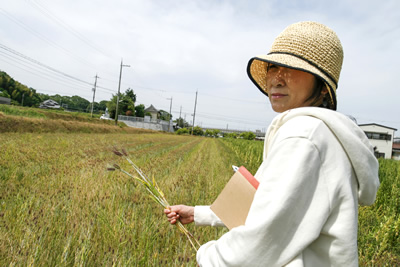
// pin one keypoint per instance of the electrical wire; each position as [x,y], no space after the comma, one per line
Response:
[42,9]
[44,38]
[41,64]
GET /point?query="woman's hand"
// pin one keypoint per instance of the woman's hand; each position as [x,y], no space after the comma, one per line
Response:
[183,213]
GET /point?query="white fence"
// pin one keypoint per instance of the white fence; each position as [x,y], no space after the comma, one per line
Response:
[147,123]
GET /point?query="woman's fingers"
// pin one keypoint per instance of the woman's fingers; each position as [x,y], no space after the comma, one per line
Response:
[172,216]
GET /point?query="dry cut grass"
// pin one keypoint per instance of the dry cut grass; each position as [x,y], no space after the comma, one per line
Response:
[59,205]
[20,124]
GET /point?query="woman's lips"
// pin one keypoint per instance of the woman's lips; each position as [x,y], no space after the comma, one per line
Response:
[277,96]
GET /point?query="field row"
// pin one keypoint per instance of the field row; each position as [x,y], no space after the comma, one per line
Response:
[60,206]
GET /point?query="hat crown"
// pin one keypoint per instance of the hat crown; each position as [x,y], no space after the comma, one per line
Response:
[314,42]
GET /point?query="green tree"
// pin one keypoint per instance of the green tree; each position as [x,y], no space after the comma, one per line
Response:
[163,115]
[198,131]
[248,135]
[139,110]
[78,103]
[182,131]
[125,105]
[212,133]
[103,105]
[181,123]
[130,94]
[32,99]
[20,94]
[98,108]
[231,135]
[208,133]
[216,132]
[111,105]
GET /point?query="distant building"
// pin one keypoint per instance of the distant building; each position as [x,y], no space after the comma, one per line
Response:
[5,100]
[106,115]
[49,104]
[381,138]
[396,151]
[153,111]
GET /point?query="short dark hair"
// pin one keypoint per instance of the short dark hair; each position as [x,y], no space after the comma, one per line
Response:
[317,91]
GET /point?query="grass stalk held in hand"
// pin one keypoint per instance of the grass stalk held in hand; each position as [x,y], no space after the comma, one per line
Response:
[154,191]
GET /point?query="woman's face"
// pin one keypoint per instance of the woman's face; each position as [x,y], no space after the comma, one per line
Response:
[289,88]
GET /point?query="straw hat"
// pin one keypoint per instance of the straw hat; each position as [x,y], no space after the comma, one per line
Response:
[307,46]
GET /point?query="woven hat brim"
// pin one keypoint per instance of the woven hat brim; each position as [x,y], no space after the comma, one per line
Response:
[257,71]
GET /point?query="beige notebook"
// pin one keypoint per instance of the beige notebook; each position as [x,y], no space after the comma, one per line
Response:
[233,203]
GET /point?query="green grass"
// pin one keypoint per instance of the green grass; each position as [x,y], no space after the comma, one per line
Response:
[21,111]
[14,119]
[60,207]
[379,225]
[45,113]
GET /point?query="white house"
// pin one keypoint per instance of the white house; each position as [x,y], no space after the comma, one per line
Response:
[49,103]
[381,137]
[153,111]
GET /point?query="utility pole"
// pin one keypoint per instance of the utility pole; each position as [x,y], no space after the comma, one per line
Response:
[180,122]
[94,93]
[119,86]
[170,107]
[194,113]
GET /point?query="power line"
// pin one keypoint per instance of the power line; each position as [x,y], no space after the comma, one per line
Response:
[42,37]
[53,77]
[64,25]
[235,99]
[41,64]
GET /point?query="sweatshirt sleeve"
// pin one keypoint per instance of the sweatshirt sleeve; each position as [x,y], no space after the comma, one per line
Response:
[288,212]
[204,216]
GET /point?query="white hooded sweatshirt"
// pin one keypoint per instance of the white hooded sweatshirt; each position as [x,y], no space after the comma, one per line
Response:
[318,165]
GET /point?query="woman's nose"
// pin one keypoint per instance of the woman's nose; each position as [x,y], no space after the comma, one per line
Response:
[279,78]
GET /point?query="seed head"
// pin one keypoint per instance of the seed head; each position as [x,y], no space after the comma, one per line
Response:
[116,152]
[116,166]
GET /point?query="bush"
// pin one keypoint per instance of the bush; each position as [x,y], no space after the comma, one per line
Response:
[248,135]
[198,131]
[231,135]
[182,131]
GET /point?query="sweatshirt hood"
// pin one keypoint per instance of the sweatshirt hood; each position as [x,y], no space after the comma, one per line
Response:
[353,140]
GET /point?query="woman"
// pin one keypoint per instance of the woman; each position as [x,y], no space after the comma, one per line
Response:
[317,166]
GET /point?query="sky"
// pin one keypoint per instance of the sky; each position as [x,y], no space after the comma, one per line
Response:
[172,49]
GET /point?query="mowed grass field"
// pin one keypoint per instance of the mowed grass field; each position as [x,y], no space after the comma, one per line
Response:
[59,206]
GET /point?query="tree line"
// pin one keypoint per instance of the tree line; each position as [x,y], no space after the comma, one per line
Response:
[22,95]
[214,133]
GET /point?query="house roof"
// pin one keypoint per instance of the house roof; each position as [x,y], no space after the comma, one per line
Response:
[49,103]
[5,100]
[375,124]
[151,109]
[396,146]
